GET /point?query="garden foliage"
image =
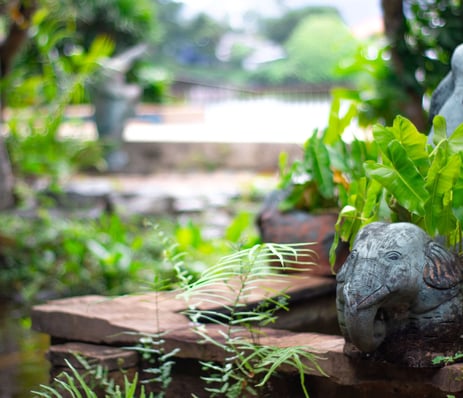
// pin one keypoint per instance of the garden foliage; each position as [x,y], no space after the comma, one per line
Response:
[412,181]
[218,306]
[330,163]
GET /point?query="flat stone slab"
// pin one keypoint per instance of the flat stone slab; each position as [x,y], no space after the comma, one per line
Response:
[112,358]
[121,321]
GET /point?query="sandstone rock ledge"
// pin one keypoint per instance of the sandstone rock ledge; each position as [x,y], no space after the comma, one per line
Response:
[100,327]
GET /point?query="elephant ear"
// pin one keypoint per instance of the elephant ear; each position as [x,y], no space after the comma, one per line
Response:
[442,269]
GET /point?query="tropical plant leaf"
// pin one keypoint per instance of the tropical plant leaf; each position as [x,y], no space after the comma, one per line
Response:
[285,171]
[456,140]
[440,129]
[383,136]
[360,152]
[336,123]
[443,174]
[447,223]
[372,202]
[317,156]
[458,198]
[342,230]
[401,178]
[408,136]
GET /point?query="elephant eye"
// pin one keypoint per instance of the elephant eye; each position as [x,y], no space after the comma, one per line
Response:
[353,254]
[393,255]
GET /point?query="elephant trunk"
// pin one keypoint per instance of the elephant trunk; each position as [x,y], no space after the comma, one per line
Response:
[365,319]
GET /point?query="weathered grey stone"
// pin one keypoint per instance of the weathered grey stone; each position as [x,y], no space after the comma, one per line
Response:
[399,296]
[447,99]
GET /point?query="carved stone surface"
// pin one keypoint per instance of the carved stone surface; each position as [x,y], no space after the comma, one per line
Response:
[399,296]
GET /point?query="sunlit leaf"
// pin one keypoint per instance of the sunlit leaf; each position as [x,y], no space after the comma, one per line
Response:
[372,202]
[443,175]
[440,129]
[318,156]
[347,216]
[456,140]
[383,136]
[338,123]
[401,178]
[447,223]
[408,136]
[458,198]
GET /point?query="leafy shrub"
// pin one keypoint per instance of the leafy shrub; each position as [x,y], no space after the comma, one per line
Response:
[61,257]
[228,285]
[249,366]
[328,166]
[413,182]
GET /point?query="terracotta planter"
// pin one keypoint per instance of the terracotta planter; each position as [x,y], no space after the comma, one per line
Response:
[299,227]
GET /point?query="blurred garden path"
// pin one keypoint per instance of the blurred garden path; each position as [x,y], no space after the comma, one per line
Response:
[210,199]
[173,191]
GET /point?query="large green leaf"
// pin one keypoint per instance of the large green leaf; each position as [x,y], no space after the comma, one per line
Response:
[362,208]
[383,136]
[336,123]
[339,156]
[440,129]
[443,174]
[446,222]
[401,178]
[345,229]
[441,179]
[360,151]
[372,202]
[411,139]
[456,140]
[458,198]
[318,160]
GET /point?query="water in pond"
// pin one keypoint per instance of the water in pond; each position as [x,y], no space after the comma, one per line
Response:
[23,366]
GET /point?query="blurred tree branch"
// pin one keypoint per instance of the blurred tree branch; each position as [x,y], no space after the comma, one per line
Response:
[20,13]
[395,26]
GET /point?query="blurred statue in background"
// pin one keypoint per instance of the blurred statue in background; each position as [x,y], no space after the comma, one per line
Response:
[447,99]
[115,100]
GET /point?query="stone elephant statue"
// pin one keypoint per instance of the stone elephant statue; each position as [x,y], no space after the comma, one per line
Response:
[447,98]
[399,296]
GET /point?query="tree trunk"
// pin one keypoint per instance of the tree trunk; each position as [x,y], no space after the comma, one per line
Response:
[6,174]
[6,177]
[395,29]
[20,15]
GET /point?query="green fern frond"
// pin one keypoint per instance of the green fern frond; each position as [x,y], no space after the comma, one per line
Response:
[225,295]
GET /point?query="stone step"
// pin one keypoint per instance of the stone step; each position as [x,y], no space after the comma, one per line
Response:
[111,323]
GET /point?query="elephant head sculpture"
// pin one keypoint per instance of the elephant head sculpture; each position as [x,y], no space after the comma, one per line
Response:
[399,296]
